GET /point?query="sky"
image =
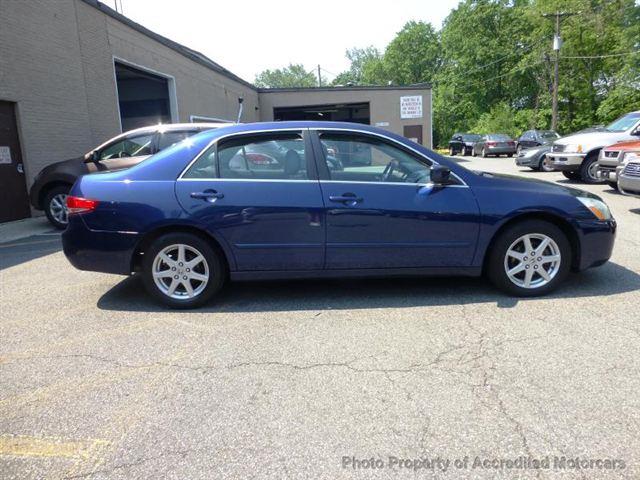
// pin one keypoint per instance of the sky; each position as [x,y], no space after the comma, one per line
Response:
[249,36]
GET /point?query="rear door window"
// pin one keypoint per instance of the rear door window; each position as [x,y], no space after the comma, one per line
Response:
[280,156]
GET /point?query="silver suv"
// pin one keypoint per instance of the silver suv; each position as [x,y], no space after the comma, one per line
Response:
[576,155]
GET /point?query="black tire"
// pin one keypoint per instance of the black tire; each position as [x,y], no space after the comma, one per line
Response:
[473,151]
[495,266]
[519,149]
[47,205]
[572,175]
[509,155]
[613,185]
[452,152]
[214,262]
[588,169]
[484,153]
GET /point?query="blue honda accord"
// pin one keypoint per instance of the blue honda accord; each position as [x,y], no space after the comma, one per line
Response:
[321,199]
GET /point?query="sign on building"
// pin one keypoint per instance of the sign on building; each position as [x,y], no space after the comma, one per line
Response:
[411,106]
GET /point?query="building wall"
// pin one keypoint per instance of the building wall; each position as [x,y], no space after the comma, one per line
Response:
[56,63]
[384,104]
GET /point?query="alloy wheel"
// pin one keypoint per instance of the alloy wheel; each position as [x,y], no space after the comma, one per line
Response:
[180,271]
[546,164]
[532,261]
[58,208]
[592,171]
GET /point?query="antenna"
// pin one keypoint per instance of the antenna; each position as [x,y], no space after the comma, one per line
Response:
[240,100]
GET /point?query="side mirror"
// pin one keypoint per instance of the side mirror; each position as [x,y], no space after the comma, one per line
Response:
[440,175]
[636,132]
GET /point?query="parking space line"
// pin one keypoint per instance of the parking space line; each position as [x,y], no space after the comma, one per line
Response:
[27,446]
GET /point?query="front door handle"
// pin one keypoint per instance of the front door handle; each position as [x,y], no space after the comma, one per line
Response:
[208,195]
[346,198]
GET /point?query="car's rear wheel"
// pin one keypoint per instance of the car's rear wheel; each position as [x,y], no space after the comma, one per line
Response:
[530,258]
[182,270]
[484,153]
[613,185]
[452,152]
[55,206]
[519,149]
[589,169]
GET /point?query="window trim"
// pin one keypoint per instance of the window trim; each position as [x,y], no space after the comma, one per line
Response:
[312,171]
[310,144]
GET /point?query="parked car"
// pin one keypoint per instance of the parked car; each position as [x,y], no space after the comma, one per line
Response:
[51,186]
[613,158]
[576,156]
[629,177]
[463,143]
[494,144]
[535,138]
[535,158]
[187,220]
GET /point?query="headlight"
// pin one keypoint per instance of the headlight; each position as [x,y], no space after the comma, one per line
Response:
[573,148]
[597,207]
[626,156]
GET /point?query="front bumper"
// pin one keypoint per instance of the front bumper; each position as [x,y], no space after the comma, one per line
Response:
[609,173]
[98,251]
[566,161]
[629,185]
[596,242]
[530,161]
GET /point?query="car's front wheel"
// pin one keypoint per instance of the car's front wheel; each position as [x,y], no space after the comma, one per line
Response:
[545,164]
[182,270]
[571,175]
[589,169]
[55,206]
[529,258]
[452,152]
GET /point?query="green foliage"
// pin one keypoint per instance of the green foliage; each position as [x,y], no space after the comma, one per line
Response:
[287,77]
[495,58]
[359,58]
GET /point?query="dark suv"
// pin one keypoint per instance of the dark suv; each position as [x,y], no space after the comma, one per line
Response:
[51,186]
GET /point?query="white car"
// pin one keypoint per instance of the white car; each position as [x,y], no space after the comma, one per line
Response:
[576,155]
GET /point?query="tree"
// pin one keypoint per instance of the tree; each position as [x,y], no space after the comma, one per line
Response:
[287,77]
[359,58]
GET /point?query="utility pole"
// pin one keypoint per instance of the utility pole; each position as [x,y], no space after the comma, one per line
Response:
[319,77]
[557,43]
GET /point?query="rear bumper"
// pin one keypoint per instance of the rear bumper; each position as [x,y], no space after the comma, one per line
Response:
[596,242]
[566,161]
[500,150]
[98,251]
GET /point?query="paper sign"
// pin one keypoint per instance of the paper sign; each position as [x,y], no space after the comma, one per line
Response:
[411,107]
[5,154]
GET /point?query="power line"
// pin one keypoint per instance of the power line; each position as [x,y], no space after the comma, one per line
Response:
[603,56]
[502,58]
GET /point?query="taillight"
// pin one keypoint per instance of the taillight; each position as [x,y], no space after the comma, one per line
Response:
[260,159]
[80,205]
[491,144]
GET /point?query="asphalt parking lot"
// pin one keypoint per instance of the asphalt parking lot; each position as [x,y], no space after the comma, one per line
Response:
[310,379]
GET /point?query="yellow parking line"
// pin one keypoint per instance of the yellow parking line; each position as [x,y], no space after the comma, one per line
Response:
[26,446]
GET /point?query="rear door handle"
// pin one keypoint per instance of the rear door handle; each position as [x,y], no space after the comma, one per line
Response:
[209,195]
[346,198]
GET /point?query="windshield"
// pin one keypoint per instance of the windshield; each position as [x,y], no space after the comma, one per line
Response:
[624,123]
[550,134]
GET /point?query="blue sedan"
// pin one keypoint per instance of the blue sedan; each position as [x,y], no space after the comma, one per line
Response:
[321,199]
